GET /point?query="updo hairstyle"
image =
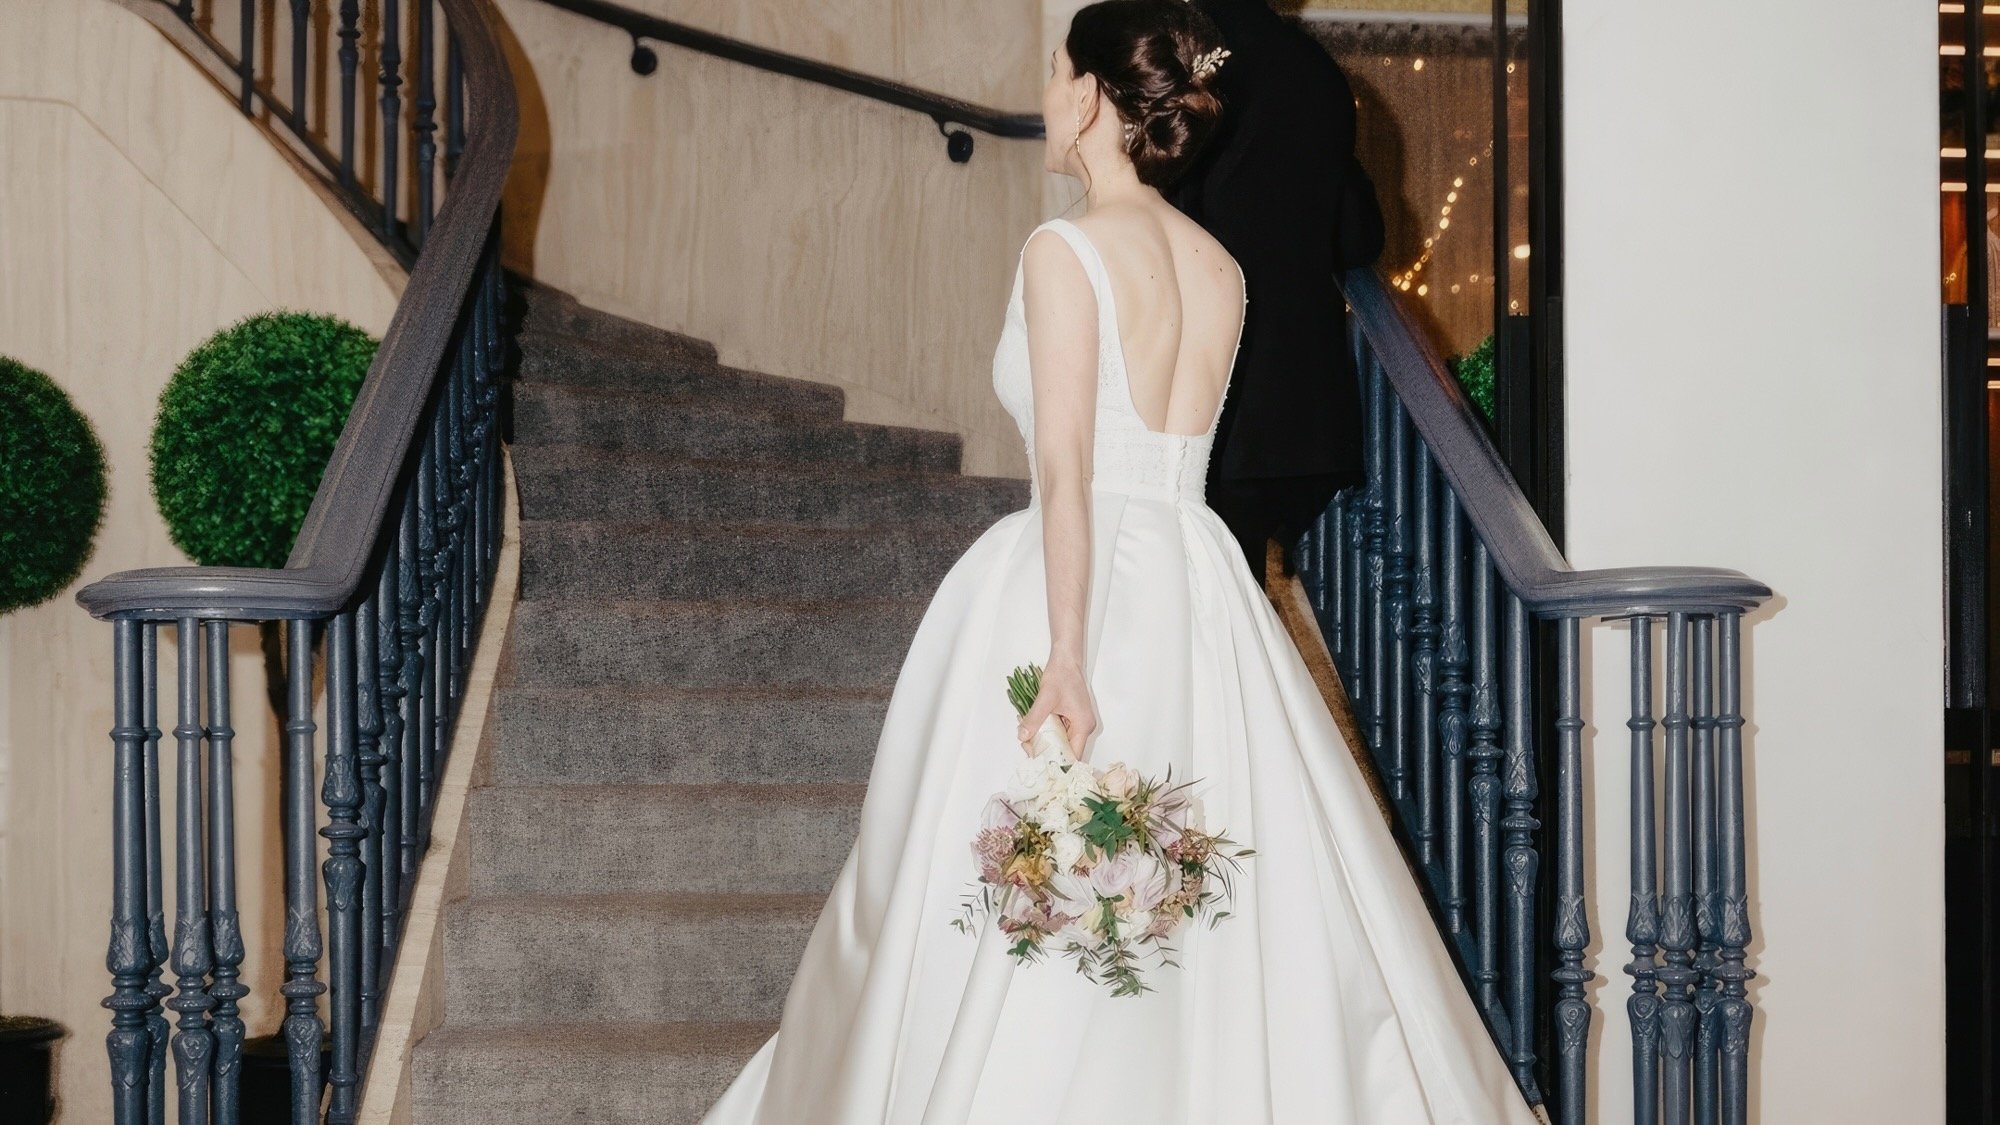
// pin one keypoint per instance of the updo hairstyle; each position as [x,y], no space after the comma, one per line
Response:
[1143,54]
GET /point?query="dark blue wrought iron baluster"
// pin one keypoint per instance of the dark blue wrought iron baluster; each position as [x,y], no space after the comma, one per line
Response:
[1642,922]
[392,115]
[425,124]
[1423,633]
[1353,569]
[228,987]
[1374,660]
[246,56]
[424,697]
[301,19]
[1702,722]
[1453,689]
[368,762]
[410,630]
[302,988]
[1572,922]
[350,30]
[1677,975]
[193,1042]
[1732,975]
[1484,754]
[130,956]
[389,669]
[156,918]
[454,105]
[1396,590]
[1517,829]
[342,870]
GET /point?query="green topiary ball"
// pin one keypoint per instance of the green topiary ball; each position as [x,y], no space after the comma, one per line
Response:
[1475,373]
[246,426]
[51,488]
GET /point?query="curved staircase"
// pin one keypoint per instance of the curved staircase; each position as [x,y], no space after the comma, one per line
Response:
[719,579]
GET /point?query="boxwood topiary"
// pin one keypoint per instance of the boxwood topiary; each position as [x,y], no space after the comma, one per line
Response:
[51,487]
[245,428]
[1475,373]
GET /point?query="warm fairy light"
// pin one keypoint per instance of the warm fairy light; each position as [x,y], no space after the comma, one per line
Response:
[1452,196]
[1458,181]
[1423,290]
[1521,251]
[1454,288]
[1444,224]
[1417,65]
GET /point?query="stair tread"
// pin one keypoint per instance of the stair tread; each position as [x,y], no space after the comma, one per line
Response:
[747,792]
[733,1037]
[575,453]
[722,413]
[651,904]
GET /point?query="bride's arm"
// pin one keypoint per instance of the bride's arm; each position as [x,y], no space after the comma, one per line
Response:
[1062,359]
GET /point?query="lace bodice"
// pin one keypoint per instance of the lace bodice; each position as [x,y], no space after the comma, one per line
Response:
[1127,456]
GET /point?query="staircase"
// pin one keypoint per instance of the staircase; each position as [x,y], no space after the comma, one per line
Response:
[719,579]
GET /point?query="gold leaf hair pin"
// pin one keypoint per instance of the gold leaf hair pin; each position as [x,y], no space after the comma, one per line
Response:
[1207,64]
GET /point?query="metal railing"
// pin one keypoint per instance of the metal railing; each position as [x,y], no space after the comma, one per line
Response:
[391,571]
[946,111]
[1430,581]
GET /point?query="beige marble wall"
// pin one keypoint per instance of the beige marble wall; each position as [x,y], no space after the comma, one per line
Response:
[138,214]
[807,232]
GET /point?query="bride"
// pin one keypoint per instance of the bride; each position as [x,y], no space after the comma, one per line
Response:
[1328,996]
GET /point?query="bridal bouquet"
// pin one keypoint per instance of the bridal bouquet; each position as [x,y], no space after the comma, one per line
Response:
[1103,866]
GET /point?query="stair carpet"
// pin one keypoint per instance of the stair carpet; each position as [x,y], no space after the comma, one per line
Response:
[719,579]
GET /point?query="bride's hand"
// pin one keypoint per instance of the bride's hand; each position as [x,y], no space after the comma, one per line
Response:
[1064,693]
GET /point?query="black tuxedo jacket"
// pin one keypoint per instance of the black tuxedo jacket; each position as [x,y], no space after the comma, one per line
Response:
[1279,187]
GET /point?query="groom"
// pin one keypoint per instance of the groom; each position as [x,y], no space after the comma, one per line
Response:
[1279,187]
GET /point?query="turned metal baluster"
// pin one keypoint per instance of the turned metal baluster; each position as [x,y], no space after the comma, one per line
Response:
[1375,658]
[389,670]
[424,716]
[1396,588]
[342,870]
[1733,889]
[227,988]
[1484,754]
[410,632]
[437,609]
[424,125]
[1453,688]
[1423,632]
[350,30]
[301,19]
[302,988]
[1353,570]
[130,956]
[193,1042]
[369,759]
[246,56]
[1572,922]
[454,105]
[1676,975]
[1701,696]
[156,924]
[392,113]
[1642,923]
[1517,829]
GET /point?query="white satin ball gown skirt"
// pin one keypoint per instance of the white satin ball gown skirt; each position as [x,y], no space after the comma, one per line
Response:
[1326,999]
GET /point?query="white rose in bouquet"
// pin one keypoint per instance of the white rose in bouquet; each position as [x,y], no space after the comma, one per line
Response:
[1068,849]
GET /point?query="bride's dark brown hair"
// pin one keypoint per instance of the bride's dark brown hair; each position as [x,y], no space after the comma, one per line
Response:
[1143,55]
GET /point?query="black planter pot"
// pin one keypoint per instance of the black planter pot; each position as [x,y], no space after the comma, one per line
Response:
[27,1069]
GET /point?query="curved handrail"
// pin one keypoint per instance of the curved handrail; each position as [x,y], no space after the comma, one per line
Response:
[1526,557]
[938,107]
[342,528]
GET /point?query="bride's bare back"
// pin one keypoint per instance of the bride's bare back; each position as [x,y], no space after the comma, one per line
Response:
[1179,300]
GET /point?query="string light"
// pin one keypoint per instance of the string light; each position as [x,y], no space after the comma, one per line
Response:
[1405,279]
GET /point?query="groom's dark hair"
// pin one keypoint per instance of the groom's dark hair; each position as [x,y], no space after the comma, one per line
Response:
[1144,55]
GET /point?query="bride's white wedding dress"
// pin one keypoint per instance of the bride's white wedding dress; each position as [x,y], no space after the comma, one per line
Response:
[1326,998]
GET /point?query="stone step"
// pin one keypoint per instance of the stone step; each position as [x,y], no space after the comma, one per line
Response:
[712,644]
[574,482]
[623,735]
[547,358]
[637,559]
[661,839]
[603,1074]
[605,418]
[623,958]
